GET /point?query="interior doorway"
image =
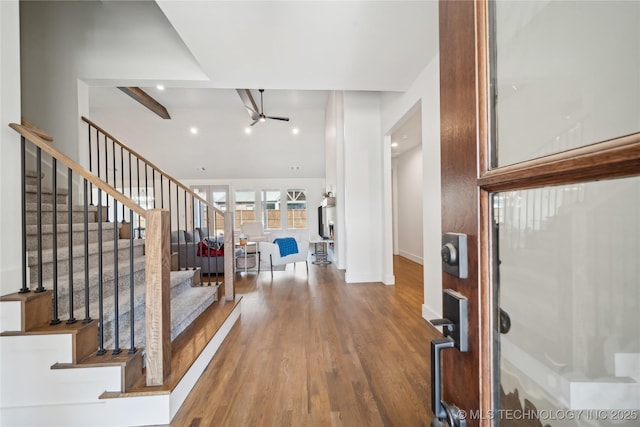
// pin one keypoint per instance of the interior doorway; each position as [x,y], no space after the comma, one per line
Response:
[406,166]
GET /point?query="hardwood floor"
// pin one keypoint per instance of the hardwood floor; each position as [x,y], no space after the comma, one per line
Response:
[315,351]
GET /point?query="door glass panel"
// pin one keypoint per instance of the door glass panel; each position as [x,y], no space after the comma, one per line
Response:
[565,74]
[569,281]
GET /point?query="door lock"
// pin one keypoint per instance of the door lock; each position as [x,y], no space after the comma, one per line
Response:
[455,322]
[449,254]
[454,254]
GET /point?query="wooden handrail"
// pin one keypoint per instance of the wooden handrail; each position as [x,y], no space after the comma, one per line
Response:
[35,129]
[81,171]
[144,159]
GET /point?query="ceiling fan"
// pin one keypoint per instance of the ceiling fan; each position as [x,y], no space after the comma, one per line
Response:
[250,104]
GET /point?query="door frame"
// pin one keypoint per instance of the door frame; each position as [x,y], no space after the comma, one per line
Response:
[468,182]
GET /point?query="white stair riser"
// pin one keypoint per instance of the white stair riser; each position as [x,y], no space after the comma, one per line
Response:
[42,384]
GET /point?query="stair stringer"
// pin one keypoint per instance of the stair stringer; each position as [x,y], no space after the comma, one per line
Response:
[34,394]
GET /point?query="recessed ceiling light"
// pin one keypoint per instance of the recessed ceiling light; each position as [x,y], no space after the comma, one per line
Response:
[295,131]
[394,144]
[247,131]
[160,87]
[194,130]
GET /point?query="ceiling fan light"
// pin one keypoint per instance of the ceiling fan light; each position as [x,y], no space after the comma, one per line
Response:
[263,119]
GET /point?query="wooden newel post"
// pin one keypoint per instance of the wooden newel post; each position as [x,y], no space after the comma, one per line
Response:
[157,299]
[229,258]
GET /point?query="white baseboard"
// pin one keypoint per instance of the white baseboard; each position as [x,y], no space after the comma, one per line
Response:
[412,257]
[429,313]
[361,278]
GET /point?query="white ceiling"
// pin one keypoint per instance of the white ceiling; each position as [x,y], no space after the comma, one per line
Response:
[298,51]
[327,45]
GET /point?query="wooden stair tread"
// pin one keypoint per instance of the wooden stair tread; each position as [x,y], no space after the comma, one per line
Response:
[107,359]
[33,188]
[61,328]
[185,349]
[22,297]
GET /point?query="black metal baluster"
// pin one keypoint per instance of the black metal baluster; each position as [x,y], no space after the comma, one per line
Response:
[87,316]
[115,182]
[193,230]
[101,350]
[215,248]
[72,318]
[186,261]
[116,321]
[193,221]
[130,188]
[106,161]
[138,177]
[90,163]
[171,222]
[161,193]
[97,153]
[54,182]
[138,185]
[40,288]
[132,346]
[23,191]
[153,179]
[122,178]
[146,186]
[106,172]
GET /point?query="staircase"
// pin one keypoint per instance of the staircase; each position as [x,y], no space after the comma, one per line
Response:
[73,337]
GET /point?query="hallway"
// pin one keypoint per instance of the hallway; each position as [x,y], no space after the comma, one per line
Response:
[320,352]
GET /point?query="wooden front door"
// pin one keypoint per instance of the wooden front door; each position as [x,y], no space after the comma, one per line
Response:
[536,173]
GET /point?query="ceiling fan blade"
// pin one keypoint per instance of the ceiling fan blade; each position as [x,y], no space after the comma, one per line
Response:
[254,122]
[284,119]
[249,103]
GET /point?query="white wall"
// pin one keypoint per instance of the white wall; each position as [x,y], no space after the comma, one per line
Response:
[426,91]
[363,190]
[409,216]
[10,236]
[99,40]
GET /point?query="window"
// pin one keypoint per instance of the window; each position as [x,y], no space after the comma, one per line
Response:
[271,208]
[245,207]
[296,209]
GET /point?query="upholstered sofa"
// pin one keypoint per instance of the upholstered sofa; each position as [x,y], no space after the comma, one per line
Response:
[185,243]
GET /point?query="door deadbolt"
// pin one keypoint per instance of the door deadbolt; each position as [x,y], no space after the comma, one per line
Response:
[449,254]
[454,254]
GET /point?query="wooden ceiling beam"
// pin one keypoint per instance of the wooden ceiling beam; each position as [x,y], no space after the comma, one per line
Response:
[145,99]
